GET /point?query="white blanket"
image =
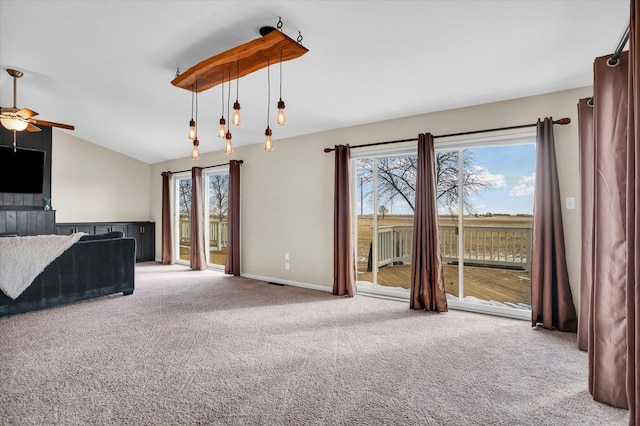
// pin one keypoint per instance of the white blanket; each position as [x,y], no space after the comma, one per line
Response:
[22,259]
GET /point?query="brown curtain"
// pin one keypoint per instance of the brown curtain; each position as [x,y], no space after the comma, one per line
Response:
[551,301]
[608,318]
[633,220]
[197,259]
[427,278]
[167,237]
[232,265]
[587,176]
[343,263]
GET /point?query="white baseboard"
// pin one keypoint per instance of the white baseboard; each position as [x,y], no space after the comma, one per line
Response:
[288,282]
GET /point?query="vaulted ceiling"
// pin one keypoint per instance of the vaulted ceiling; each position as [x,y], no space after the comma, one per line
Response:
[106,66]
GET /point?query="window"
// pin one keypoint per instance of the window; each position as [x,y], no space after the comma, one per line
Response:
[485,201]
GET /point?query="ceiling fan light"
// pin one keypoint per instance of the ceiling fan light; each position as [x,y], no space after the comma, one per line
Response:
[14,124]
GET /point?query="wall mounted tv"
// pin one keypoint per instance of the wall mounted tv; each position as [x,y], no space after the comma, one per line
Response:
[21,171]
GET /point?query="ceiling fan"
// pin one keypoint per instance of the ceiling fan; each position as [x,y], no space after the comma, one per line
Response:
[17,120]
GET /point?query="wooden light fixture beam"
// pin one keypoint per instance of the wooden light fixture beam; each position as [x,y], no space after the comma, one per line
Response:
[251,56]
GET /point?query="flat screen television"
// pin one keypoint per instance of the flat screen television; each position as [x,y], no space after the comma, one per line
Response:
[21,171]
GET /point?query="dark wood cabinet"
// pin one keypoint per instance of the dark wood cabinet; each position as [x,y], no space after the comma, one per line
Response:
[27,222]
[68,229]
[142,232]
[103,229]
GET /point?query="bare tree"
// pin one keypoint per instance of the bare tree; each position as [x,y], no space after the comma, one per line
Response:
[184,189]
[383,210]
[397,178]
[219,195]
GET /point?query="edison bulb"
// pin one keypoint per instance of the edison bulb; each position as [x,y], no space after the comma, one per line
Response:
[228,147]
[222,131]
[236,120]
[195,152]
[192,129]
[268,143]
[282,118]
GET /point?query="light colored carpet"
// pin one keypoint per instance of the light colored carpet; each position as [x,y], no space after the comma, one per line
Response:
[202,348]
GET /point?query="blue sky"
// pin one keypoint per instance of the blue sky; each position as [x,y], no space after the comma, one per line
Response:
[511,172]
[508,171]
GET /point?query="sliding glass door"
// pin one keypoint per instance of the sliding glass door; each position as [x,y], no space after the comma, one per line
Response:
[215,206]
[216,216]
[485,199]
[384,189]
[485,207]
[182,221]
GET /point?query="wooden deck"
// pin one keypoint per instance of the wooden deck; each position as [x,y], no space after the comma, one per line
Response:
[215,257]
[501,285]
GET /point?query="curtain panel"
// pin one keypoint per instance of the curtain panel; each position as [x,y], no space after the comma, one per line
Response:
[232,264]
[427,278]
[343,262]
[607,342]
[167,229]
[587,176]
[197,259]
[633,220]
[551,300]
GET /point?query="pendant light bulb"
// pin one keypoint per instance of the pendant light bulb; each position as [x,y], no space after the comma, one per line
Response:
[195,153]
[236,120]
[268,143]
[222,132]
[192,129]
[282,118]
[228,146]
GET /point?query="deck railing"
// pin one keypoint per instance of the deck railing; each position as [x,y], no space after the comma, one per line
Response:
[483,246]
[218,233]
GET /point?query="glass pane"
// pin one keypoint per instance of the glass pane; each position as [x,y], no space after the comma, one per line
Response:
[447,166]
[396,181]
[184,218]
[385,192]
[498,219]
[364,224]
[218,218]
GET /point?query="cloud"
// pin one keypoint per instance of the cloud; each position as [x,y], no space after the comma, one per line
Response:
[525,187]
[484,176]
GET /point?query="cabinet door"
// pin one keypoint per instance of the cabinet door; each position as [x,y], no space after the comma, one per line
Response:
[106,228]
[70,228]
[148,251]
[144,233]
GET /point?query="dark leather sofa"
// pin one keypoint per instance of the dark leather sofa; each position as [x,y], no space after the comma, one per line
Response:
[97,265]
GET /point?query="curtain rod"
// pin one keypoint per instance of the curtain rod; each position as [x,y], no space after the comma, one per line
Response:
[621,44]
[208,167]
[562,122]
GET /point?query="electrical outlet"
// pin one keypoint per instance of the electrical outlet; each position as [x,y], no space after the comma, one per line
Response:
[286,256]
[286,266]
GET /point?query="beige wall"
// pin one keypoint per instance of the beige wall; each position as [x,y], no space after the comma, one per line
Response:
[287,195]
[90,183]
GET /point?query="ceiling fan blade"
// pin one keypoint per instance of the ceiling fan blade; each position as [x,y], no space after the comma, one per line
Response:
[52,124]
[32,128]
[26,113]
